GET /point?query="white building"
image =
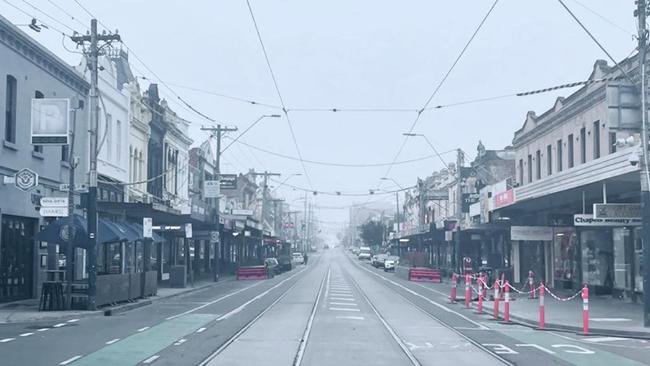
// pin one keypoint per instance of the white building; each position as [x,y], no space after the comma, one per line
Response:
[176,161]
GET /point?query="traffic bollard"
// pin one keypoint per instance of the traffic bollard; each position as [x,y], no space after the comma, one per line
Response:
[506,304]
[481,288]
[585,310]
[454,283]
[496,299]
[468,291]
[542,319]
[485,285]
[503,280]
[531,284]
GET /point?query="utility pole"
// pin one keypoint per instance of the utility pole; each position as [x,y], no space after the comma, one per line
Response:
[265,190]
[459,206]
[217,172]
[641,14]
[69,253]
[92,54]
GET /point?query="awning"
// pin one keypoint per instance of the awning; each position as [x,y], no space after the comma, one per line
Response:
[57,232]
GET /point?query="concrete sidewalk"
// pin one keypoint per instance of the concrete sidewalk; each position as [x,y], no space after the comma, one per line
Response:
[607,316]
[27,310]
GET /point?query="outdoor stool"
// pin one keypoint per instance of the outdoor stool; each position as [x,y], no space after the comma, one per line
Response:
[51,296]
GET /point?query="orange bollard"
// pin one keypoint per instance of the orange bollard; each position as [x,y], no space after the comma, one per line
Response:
[454,283]
[542,319]
[585,310]
[531,284]
[468,290]
[496,299]
[506,305]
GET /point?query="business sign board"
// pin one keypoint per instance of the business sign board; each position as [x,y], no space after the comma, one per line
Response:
[617,210]
[50,121]
[506,198]
[240,212]
[449,235]
[53,211]
[188,231]
[438,195]
[26,179]
[54,201]
[531,233]
[147,227]
[211,189]
[589,220]
[475,209]
[469,199]
[228,181]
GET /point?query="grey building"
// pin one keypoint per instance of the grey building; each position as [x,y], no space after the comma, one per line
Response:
[27,71]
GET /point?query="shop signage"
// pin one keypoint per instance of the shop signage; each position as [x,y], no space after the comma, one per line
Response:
[449,235]
[469,199]
[53,211]
[147,227]
[531,233]
[54,202]
[50,121]
[211,188]
[214,236]
[438,195]
[475,209]
[617,210]
[188,231]
[237,212]
[504,198]
[589,220]
[228,181]
[26,179]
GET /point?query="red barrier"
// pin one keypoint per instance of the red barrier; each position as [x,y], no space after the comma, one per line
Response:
[468,291]
[424,275]
[496,299]
[252,273]
[541,306]
[506,305]
[481,289]
[585,310]
[454,283]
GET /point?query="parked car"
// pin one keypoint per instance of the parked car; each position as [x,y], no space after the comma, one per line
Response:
[285,263]
[390,263]
[379,260]
[326,246]
[364,253]
[272,265]
[297,258]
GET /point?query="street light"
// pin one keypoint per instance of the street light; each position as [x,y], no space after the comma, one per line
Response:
[409,134]
[249,127]
[394,181]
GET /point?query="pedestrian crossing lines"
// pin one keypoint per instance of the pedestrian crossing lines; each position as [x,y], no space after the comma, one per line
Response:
[341,299]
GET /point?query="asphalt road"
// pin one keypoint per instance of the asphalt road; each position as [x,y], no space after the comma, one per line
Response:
[336,311]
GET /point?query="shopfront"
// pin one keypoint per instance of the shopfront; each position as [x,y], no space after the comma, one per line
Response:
[531,251]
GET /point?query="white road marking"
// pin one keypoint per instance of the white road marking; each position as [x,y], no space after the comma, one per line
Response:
[180,341]
[229,295]
[343,303]
[536,346]
[6,340]
[605,339]
[351,317]
[58,325]
[342,298]
[341,295]
[151,359]
[113,341]
[143,329]
[201,330]
[344,309]
[610,319]
[43,329]
[70,360]
[73,320]
[26,334]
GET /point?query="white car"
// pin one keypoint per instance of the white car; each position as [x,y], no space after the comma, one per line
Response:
[390,263]
[364,253]
[298,258]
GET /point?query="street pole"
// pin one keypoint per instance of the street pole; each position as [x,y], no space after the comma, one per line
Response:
[645,173]
[93,53]
[217,172]
[459,207]
[71,227]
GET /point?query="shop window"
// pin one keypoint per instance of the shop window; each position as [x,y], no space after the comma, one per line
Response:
[583,145]
[570,154]
[38,95]
[549,160]
[538,165]
[638,260]
[10,108]
[558,156]
[597,257]
[596,137]
[114,258]
[565,249]
[623,248]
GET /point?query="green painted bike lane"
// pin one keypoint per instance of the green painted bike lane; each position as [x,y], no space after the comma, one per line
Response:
[569,351]
[138,347]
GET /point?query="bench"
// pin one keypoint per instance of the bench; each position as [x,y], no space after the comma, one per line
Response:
[252,273]
[424,275]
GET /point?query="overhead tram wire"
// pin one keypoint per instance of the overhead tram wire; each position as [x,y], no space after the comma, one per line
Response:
[593,38]
[605,19]
[343,193]
[61,9]
[31,15]
[440,84]
[36,8]
[277,89]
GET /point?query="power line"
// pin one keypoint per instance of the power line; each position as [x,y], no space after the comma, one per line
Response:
[355,110]
[342,193]
[68,14]
[226,96]
[48,15]
[277,89]
[440,84]
[34,17]
[602,17]
[346,165]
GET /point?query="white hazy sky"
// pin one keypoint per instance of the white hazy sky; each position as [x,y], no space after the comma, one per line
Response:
[352,54]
